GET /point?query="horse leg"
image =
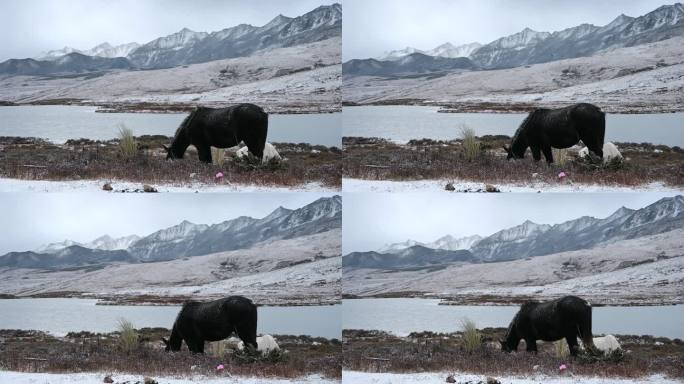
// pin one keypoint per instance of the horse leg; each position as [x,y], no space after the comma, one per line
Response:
[548,153]
[536,153]
[204,152]
[246,335]
[531,345]
[572,344]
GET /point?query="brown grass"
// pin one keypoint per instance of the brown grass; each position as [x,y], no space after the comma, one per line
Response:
[34,159]
[377,159]
[33,351]
[375,351]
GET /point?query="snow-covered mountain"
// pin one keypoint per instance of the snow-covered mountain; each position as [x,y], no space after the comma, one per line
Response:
[101,50]
[188,47]
[398,53]
[188,239]
[449,50]
[448,243]
[530,239]
[415,63]
[531,47]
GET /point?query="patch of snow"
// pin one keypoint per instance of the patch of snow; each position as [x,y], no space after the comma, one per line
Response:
[354,377]
[89,378]
[360,185]
[95,186]
[607,343]
[270,152]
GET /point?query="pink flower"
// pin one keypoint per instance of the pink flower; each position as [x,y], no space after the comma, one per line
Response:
[562,175]
[219,176]
[220,367]
[563,367]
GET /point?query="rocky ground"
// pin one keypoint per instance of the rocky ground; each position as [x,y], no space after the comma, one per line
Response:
[35,351]
[32,159]
[374,159]
[376,351]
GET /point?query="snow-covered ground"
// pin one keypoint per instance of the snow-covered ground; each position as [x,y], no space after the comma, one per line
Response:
[307,74]
[647,269]
[646,77]
[304,268]
[92,378]
[95,186]
[354,377]
[360,185]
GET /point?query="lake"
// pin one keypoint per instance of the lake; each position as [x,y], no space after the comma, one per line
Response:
[59,123]
[403,316]
[403,123]
[60,316]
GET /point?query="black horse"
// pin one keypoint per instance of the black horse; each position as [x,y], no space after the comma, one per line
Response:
[221,128]
[567,317]
[544,129]
[216,320]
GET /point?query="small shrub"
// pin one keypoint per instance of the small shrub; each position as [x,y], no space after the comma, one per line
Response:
[472,339]
[127,144]
[217,156]
[471,147]
[128,336]
[561,349]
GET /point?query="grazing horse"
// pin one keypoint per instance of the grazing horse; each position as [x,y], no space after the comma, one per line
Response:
[213,321]
[221,128]
[544,129]
[567,317]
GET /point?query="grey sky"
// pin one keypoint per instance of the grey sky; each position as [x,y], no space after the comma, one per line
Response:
[372,220]
[30,220]
[29,27]
[374,26]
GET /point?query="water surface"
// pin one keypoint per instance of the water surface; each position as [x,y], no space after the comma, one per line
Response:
[59,123]
[60,316]
[403,123]
[403,316]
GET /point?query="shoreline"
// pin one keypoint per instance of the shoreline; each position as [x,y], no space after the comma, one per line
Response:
[498,107]
[485,300]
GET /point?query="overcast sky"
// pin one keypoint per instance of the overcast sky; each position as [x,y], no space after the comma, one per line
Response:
[28,27]
[30,220]
[372,220]
[372,27]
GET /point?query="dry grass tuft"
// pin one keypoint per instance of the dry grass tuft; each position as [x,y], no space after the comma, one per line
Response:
[471,147]
[472,339]
[128,336]
[127,144]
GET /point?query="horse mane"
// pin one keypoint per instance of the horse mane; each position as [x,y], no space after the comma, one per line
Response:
[186,122]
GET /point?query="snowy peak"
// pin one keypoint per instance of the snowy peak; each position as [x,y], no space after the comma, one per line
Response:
[449,50]
[520,40]
[53,54]
[522,231]
[399,53]
[619,21]
[180,39]
[452,243]
[107,50]
[278,22]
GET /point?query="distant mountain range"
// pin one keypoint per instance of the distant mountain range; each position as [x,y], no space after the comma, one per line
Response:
[528,239]
[186,46]
[185,239]
[531,47]
[415,63]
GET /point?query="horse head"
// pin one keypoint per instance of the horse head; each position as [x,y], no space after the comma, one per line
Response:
[171,154]
[166,343]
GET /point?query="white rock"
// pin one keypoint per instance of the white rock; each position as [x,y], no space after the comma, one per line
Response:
[607,344]
[265,344]
[270,152]
[610,151]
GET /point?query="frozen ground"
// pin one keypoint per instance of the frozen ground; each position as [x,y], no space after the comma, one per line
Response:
[92,378]
[306,269]
[360,185]
[354,377]
[647,77]
[644,270]
[308,74]
[95,186]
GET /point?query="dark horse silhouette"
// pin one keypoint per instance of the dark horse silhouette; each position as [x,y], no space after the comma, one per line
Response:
[212,321]
[544,129]
[221,128]
[567,317]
